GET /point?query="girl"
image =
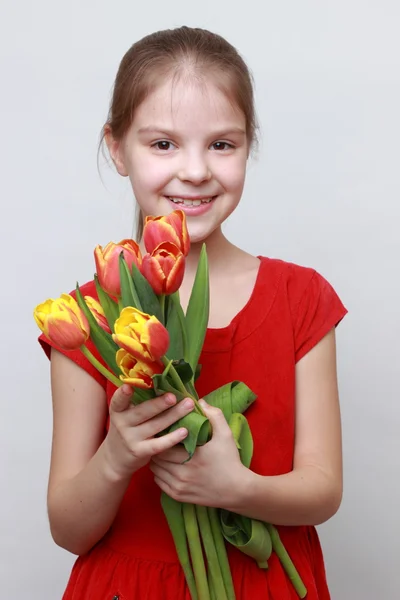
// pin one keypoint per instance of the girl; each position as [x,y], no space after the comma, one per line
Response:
[181,126]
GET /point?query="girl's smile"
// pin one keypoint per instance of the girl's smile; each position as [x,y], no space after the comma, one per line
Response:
[186,148]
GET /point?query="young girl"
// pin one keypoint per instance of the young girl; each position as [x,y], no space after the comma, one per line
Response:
[181,126]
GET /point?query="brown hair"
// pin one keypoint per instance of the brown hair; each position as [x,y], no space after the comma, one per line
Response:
[176,51]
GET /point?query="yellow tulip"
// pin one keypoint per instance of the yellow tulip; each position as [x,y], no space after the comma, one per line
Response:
[63,322]
[141,335]
[135,372]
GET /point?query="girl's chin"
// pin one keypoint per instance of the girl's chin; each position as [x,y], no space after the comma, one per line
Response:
[199,233]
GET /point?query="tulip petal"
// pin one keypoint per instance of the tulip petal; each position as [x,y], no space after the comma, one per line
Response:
[154,274]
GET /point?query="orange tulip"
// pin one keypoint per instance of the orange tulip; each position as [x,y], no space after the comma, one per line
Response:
[141,335]
[168,228]
[164,268]
[63,322]
[135,372]
[107,263]
[98,313]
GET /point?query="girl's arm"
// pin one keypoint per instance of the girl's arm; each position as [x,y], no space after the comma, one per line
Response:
[311,493]
[83,496]
[89,474]
[308,495]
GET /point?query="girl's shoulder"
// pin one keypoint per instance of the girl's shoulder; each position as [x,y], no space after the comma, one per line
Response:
[304,296]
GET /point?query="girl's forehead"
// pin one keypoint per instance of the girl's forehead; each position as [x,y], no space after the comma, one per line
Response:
[187,102]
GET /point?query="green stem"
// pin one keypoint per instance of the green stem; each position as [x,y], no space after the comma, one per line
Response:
[213,595]
[196,552]
[161,298]
[211,553]
[221,551]
[173,513]
[286,561]
[101,368]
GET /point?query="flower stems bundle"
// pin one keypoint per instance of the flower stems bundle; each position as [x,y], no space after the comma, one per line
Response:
[145,339]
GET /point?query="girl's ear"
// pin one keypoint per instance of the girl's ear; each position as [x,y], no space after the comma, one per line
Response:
[115,150]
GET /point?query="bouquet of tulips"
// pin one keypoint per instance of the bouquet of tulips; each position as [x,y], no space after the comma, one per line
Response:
[145,339]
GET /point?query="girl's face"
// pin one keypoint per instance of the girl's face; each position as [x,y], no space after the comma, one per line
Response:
[186,149]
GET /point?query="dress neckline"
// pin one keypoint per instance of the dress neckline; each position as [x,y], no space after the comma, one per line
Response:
[246,320]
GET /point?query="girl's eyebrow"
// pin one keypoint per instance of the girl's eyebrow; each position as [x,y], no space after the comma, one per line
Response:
[150,129]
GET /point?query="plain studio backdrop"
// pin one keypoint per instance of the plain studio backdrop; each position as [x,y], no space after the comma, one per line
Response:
[322,192]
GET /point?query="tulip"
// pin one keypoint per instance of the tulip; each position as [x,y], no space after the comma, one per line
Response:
[107,263]
[169,228]
[98,313]
[63,322]
[141,335]
[136,372]
[164,268]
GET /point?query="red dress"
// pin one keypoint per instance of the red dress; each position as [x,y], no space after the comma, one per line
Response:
[290,310]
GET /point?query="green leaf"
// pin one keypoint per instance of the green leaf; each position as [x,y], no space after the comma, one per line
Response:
[103,341]
[231,398]
[162,385]
[183,369]
[129,295]
[197,313]
[243,438]
[176,325]
[198,428]
[140,395]
[175,348]
[198,371]
[248,535]
[109,306]
[147,297]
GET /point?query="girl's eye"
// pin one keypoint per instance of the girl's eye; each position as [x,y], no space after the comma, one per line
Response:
[221,146]
[162,145]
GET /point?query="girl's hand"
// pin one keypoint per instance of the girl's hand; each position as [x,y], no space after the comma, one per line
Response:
[213,477]
[130,442]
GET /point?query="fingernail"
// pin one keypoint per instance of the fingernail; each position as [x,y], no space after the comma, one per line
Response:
[127,390]
[182,433]
[170,399]
[188,403]
[203,403]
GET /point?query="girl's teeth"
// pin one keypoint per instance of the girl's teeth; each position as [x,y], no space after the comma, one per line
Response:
[190,202]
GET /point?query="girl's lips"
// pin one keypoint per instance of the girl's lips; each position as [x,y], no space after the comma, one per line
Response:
[192,210]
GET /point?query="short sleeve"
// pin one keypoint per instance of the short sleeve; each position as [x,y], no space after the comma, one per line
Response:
[76,355]
[319,310]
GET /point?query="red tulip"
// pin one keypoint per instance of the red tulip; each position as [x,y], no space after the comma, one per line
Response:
[107,263]
[164,268]
[168,228]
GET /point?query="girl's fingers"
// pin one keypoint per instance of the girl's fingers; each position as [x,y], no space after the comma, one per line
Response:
[159,423]
[121,399]
[157,445]
[148,410]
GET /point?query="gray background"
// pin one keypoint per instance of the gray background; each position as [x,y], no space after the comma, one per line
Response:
[323,192]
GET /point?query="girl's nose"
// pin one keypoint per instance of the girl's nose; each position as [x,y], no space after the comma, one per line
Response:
[194,169]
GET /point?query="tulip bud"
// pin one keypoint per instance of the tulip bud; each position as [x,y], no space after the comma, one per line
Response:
[107,263]
[135,372]
[141,335]
[63,322]
[98,313]
[164,268]
[168,228]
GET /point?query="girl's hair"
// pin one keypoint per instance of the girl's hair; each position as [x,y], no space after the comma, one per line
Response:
[177,52]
